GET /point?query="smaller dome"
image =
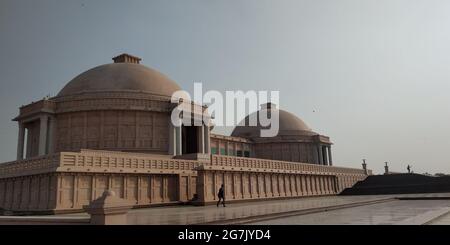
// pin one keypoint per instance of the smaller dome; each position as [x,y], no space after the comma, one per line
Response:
[289,124]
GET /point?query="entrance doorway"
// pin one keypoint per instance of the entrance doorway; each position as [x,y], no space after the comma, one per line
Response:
[190,139]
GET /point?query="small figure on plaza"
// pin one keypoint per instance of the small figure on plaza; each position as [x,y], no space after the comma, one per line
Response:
[409,169]
[221,195]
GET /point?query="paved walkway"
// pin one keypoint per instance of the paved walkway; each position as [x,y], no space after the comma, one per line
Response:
[442,220]
[204,214]
[390,212]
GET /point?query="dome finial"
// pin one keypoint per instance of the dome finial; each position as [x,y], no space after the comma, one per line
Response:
[268,106]
[126,58]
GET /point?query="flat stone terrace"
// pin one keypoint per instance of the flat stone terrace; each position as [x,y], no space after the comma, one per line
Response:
[409,209]
[376,209]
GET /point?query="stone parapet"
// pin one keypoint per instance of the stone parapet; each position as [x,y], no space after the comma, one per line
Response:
[30,166]
[45,105]
[280,166]
[97,162]
[67,181]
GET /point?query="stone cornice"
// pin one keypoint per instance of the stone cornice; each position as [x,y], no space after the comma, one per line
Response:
[112,94]
[35,108]
[95,104]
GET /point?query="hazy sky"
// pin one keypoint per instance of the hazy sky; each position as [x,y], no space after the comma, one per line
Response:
[372,75]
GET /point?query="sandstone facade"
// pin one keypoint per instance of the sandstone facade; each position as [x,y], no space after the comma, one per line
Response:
[66,181]
[110,129]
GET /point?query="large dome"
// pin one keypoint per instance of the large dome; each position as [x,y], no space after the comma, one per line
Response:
[289,125]
[121,77]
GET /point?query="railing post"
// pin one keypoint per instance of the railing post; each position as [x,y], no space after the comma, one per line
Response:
[108,209]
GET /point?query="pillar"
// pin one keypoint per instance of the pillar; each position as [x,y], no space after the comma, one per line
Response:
[308,185]
[207,136]
[43,135]
[201,139]
[332,186]
[327,185]
[325,155]
[28,149]
[320,154]
[330,160]
[316,155]
[304,187]
[21,141]
[172,140]
[179,139]
[51,135]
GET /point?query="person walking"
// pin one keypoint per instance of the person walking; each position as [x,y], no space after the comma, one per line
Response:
[221,196]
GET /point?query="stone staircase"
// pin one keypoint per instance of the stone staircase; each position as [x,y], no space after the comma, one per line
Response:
[399,184]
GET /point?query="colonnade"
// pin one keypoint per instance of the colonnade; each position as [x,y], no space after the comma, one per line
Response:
[324,155]
[45,142]
[176,139]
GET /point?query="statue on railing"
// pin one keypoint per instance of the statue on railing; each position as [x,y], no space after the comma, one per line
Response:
[409,169]
[364,166]
[386,168]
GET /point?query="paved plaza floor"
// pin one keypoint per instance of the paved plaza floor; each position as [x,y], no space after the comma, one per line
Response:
[388,213]
[204,214]
[442,220]
[367,210]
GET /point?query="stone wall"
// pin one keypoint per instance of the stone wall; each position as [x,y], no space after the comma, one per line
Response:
[302,149]
[66,181]
[119,121]
[293,151]
[230,146]
[247,185]
[137,131]
[36,192]
[251,178]
[71,191]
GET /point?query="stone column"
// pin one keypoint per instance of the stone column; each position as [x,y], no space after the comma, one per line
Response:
[201,139]
[51,135]
[21,141]
[308,185]
[28,149]
[325,155]
[315,154]
[327,185]
[302,183]
[330,160]
[172,140]
[332,187]
[320,155]
[227,148]
[179,139]
[207,136]
[43,135]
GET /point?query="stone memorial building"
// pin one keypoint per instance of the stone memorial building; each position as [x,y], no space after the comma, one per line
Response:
[110,128]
